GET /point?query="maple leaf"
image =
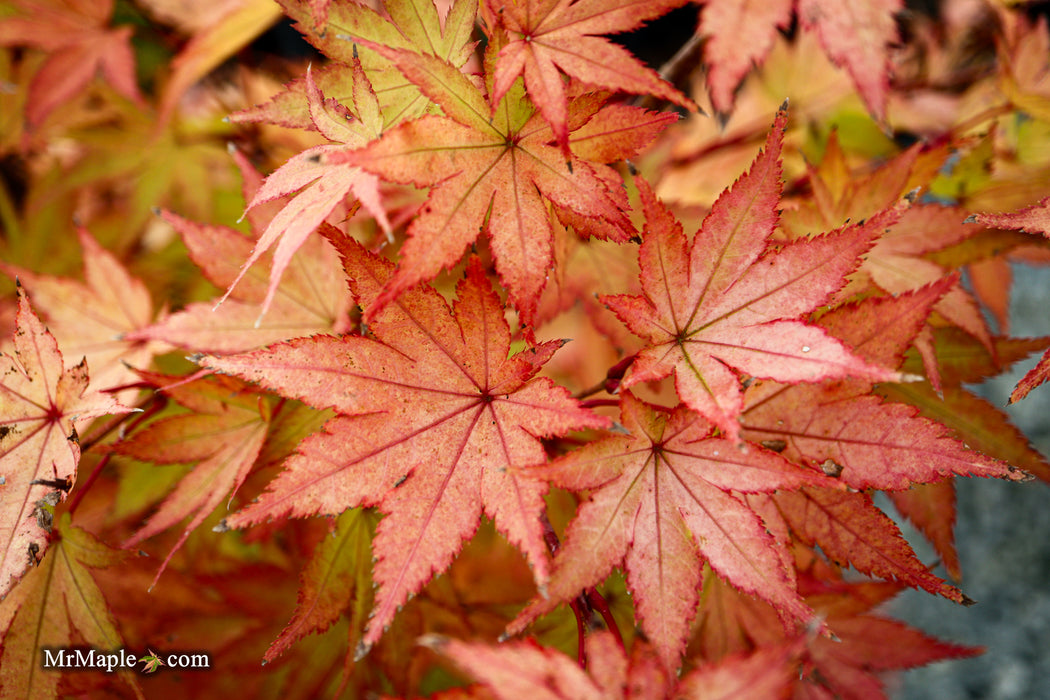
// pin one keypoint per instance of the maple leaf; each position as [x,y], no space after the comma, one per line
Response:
[311,296]
[896,263]
[661,504]
[865,645]
[334,581]
[1033,219]
[232,25]
[727,301]
[80,44]
[95,319]
[900,259]
[523,669]
[493,172]
[856,35]
[150,662]
[223,434]
[40,402]
[851,530]
[768,673]
[548,35]
[434,416]
[739,35]
[413,25]
[867,442]
[516,670]
[323,186]
[979,424]
[57,604]
[1035,376]
[931,509]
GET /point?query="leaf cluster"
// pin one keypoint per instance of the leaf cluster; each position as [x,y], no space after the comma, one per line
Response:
[480,360]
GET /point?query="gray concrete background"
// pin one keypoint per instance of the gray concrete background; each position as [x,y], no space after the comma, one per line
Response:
[1003,537]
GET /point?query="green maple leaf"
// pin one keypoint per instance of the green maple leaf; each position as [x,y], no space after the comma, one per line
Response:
[151,662]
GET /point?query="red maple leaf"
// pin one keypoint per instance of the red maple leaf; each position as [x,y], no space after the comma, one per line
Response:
[739,36]
[39,404]
[856,36]
[865,644]
[867,442]
[728,301]
[548,35]
[1033,219]
[435,417]
[523,669]
[851,530]
[662,504]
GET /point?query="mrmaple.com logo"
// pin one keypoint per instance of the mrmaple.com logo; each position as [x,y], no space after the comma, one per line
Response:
[84,658]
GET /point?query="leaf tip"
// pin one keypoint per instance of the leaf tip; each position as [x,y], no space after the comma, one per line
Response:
[221,527]
[361,651]
[1016,474]
[971,219]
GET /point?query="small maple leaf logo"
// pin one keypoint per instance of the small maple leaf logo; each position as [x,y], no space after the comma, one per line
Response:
[151,662]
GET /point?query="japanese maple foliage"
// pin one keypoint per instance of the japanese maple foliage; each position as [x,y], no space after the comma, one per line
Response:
[628,443]
[434,420]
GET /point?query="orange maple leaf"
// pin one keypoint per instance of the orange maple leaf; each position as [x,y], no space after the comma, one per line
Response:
[96,319]
[322,186]
[223,435]
[495,172]
[56,605]
[434,419]
[854,35]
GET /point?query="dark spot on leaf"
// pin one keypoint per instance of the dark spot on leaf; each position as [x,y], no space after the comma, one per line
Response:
[831,468]
[34,552]
[775,445]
